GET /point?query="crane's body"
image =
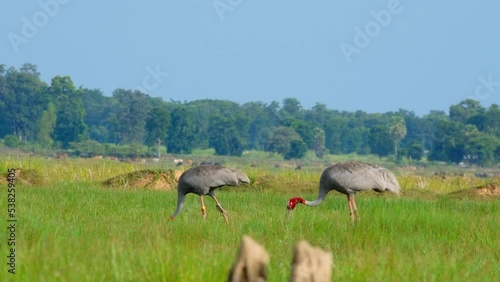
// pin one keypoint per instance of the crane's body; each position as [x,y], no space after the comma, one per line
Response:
[203,180]
[349,178]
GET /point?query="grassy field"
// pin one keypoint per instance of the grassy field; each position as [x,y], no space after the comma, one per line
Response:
[70,228]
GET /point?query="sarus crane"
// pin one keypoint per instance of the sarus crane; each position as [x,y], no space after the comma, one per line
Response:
[203,180]
[349,178]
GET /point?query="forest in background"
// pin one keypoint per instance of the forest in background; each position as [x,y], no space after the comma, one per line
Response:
[37,116]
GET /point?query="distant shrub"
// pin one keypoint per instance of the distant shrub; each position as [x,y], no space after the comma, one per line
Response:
[127,151]
[11,141]
[87,148]
[298,150]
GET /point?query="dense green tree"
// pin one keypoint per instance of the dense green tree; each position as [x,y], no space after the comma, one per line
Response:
[292,109]
[466,110]
[333,133]
[375,119]
[298,150]
[101,133]
[416,128]
[202,111]
[70,126]
[4,124]
[480,147]
[305,131]
[46,126]
[380,141]
[415,151]
[280,140]
[11,141]
[259,124]
[318,116]
[448,142]
[97,109]
[397,131]
[112,127]
[273,114]
[469,133]
[352,139]
[132,107]
[319,143]
[491,121]
[22,99]
[157,125]
[227,134]
[182,132]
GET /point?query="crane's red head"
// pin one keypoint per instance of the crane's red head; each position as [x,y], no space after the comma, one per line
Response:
[293,202]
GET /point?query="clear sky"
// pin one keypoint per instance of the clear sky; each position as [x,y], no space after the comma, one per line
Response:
[375,56]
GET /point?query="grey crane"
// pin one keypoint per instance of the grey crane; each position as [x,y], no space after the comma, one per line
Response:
[349,178]
[203,180]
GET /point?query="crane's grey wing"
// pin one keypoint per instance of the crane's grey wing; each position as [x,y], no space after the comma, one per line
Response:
[357,176]
[202,178]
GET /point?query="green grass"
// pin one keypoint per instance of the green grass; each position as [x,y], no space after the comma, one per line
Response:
[72,229]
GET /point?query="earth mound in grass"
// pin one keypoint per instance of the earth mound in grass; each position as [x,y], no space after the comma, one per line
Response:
[157,179]
[30,177]
[491,189]
[488,190]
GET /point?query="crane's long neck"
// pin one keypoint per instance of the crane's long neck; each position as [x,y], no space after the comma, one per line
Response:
[321,196]
[180,203]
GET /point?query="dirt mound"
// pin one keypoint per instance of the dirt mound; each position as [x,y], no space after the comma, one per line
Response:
[488,190]
[159,179]
[491,189]
[29,177]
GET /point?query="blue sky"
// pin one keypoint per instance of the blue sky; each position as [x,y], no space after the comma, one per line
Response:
[375,56]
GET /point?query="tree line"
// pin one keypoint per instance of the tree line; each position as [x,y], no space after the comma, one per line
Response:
[62,116]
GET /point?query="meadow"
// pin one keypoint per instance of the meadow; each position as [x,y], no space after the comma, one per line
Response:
[70,228]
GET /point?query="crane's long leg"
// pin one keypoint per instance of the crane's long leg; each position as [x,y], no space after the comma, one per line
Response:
[355,207]
[203,209]
[219,207]
[352,207]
